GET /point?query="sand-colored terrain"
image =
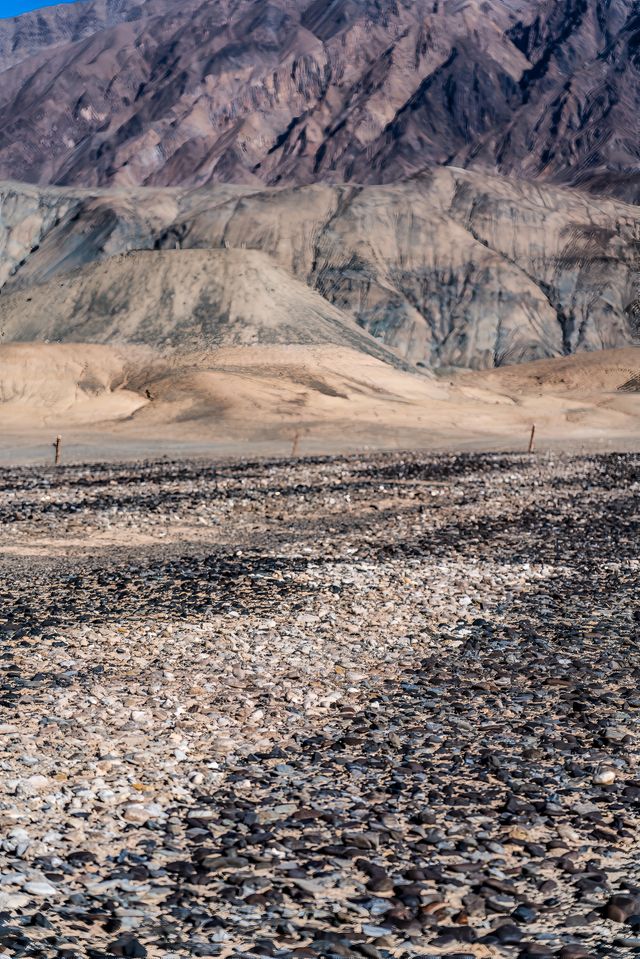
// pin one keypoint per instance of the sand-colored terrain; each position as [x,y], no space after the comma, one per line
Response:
[124,401]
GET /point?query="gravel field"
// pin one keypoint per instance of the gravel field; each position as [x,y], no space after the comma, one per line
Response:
[374,706]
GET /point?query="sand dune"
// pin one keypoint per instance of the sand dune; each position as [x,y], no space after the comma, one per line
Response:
[63,383]
[604,370]
[204,392]
[333,397]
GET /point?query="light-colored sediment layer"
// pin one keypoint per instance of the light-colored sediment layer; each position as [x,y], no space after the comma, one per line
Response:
[182,299]
[134,399]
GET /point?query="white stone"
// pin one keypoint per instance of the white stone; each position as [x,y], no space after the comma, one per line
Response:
[40,888]
[139,813]
[13,900]
[604,777]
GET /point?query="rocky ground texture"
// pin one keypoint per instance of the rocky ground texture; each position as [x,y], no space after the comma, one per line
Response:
[375,706]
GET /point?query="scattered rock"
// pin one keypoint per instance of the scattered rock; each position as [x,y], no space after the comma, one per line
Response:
[621,907]
[281,730]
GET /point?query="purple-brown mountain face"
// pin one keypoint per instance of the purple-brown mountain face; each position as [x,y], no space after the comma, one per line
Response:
[161,92]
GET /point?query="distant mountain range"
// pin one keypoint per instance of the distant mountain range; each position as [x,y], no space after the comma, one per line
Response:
[414,163]
[282,92]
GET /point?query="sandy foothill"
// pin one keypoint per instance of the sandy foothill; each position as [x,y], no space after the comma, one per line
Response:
[124,401]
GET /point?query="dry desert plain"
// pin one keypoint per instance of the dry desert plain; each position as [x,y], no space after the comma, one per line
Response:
[367,706]
[359,704]
[274,686]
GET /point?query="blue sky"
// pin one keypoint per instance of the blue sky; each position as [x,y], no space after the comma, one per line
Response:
[11,8]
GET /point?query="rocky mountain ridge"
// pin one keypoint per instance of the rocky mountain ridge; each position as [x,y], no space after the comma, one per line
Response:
[282,92]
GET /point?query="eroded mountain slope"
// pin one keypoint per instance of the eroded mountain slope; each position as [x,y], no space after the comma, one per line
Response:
[448,267]
[182,299]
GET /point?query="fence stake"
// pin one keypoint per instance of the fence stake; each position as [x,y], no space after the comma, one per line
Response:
[58,448]
[533,433]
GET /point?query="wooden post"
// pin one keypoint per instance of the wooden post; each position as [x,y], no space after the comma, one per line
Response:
[533,433]
[294,445]
[58,448]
